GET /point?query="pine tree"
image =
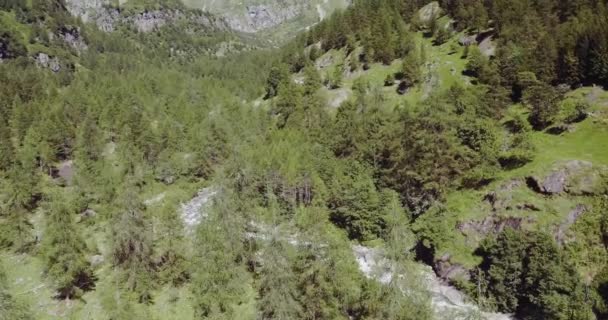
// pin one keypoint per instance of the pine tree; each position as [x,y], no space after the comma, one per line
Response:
[278,295]
[6,147]
[334,77]
[312,80]
[287,102]
[318,295]
[25,173]
[64,250]
[477,62]
[220,278]
[543,100]
[411,73]
[479,16]
[19,121]
[391,303]
[279,74]
[569,68]
[131,244]
[87,153]
[279,298]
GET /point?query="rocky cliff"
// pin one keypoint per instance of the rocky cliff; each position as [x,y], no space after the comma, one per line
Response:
[108,17]
[252,16]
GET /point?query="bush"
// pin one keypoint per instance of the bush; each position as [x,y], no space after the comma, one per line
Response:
[389,81]
[573,111]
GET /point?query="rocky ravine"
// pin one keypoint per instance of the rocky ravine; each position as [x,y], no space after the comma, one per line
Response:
[447,301]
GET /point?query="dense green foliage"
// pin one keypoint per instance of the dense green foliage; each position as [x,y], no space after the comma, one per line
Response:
[526,274]
[98,152]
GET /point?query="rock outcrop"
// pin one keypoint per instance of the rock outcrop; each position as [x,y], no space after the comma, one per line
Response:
[573,177]
[107,18]
[73,37]
[192,212]
[250,16]
[260,17]
[484,40]
[492,225]
[43,60]
[573,216]
[447,302]
[429,12]
[447,270]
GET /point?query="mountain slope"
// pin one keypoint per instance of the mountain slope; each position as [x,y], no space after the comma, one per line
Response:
[258,15]
[399,160]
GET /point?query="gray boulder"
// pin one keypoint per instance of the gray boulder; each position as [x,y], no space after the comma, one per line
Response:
[446,270]
[429,12]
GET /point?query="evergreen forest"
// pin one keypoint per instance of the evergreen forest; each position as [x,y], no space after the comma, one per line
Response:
[339,160]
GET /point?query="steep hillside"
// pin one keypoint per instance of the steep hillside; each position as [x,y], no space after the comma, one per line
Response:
[398,159]
[484,154]
[278,20]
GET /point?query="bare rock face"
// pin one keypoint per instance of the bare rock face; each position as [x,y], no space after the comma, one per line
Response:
[150,21]
[487,46]
[429,12]
[193,212]
[107,18]
[43,60]
[573,216]
[446,301]
[484,40]
[447,270]
[573,177]
[492,225]
[72,36]
[86,9]
[260,17]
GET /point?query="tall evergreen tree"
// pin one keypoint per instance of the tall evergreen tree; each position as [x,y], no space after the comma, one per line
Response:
[131,244]
[64,250]
[279,298]
[220,278]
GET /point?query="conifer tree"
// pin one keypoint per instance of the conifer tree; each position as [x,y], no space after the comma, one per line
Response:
[64,250]
[542,99]
[6,146]
[318,295]
[279,298]
[220,279]
[278,75]
[411,70]
[287,102]
[312,80]
[392,302]
[131,244]
[87,153]
[278,294]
